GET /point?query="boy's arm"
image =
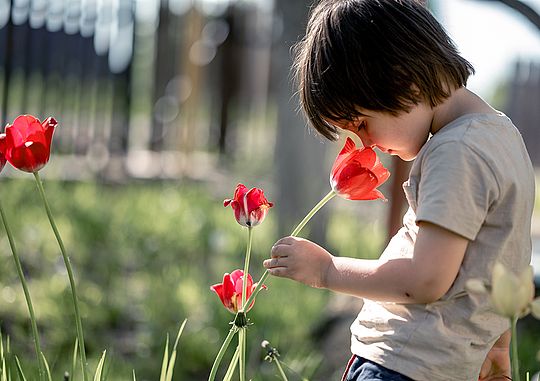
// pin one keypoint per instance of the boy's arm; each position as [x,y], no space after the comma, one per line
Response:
[496,366]
[424,278]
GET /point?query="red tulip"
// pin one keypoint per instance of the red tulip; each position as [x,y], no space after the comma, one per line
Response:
[230,291]
[2,161]
[26,143]
[250,207]
[357,172]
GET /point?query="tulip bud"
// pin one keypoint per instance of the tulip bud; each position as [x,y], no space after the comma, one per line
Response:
[511,294]
[26,144]
[250,206]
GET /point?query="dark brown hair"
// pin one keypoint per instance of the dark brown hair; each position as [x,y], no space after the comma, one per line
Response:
[379,55]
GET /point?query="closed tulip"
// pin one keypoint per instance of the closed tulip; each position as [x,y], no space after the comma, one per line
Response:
[357,172]
[250,206]
[511,294]
[26,143]
[230,290]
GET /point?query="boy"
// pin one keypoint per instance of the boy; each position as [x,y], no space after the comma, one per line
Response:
[386,71]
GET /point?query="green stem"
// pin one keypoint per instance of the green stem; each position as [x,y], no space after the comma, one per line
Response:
[280,369]
[246,268]
[242,359]
[67,262]
[514,349]
[232,365]
[18,265]
[221,352]
[294,233]
[312,212]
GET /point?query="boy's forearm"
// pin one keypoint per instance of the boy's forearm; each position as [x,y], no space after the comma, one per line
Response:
[391,281]
[504,340]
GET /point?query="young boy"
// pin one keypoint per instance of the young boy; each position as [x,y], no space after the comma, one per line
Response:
[386,71]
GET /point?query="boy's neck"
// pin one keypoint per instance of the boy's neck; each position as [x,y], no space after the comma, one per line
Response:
[461,102]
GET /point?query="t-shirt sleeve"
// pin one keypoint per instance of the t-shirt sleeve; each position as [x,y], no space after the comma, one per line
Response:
[456,189]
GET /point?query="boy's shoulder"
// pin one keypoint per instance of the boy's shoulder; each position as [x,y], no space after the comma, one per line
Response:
[481,145]
[486,133]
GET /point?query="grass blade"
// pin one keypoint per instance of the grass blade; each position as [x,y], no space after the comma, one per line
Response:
[165,362]
[1,346]
[99,369]
[19,369]
[172,360]
[47,369]
[74,359]
[134,378]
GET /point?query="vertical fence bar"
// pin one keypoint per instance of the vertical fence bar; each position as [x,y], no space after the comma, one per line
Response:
[7,65]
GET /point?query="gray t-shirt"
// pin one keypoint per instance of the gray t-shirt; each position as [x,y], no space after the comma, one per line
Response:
[474,178]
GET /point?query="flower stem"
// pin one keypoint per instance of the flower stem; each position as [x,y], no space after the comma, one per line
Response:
[294,233]
[280,369]
[246,268]
[232,365]
[312,212]
[221,353]
[20,272]
[242,359]
[69,269]
[514,349]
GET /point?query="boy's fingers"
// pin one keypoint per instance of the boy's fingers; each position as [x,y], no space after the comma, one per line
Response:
[275,262]
[286,241]
[278,271]
[277,250]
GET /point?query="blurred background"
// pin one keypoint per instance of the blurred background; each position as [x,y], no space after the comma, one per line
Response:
[163,107]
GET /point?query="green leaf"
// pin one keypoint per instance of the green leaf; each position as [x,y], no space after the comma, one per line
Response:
[47,369]
[134,378]
[165,361]
[1,346]
[74,359]
[19,369]
[172,360]
[99,369]
[4,373]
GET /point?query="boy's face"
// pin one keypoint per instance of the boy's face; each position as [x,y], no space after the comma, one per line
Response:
[402,135]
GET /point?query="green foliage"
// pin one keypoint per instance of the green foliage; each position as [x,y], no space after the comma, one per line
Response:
[144,257]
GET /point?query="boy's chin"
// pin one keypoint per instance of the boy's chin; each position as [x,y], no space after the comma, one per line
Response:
[405,157]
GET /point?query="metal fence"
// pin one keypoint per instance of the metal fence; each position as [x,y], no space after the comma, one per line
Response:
[144,88]
[523,105]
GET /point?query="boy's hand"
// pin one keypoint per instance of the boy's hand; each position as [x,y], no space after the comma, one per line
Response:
[300,260]
[496,366]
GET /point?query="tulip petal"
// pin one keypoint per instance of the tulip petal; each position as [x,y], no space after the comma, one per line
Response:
[345,151]
[49,126]
[29,158]
[218,289]
[24,125]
